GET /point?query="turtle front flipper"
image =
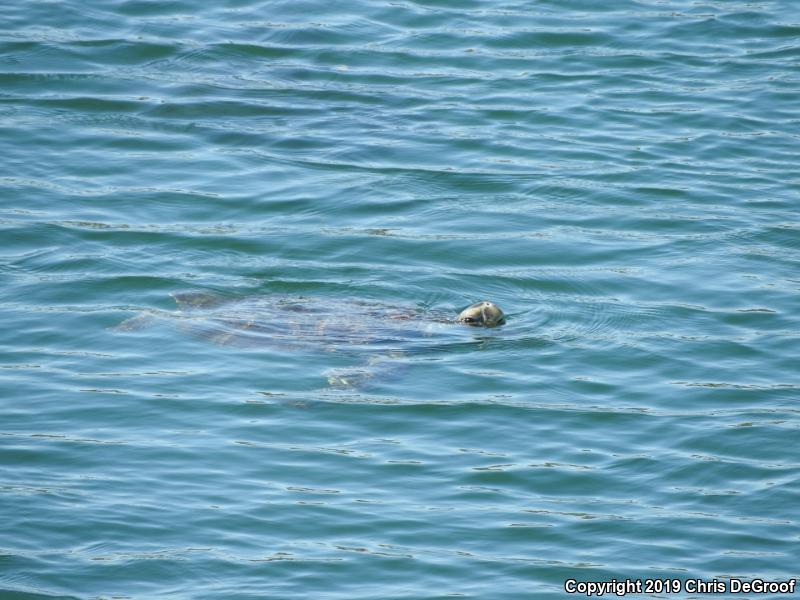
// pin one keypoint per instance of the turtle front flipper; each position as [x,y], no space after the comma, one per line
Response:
[378,369]
[348,380]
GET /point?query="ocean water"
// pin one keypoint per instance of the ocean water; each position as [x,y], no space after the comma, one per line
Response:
[620,177]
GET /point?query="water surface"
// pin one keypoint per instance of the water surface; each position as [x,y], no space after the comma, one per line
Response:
[621,178]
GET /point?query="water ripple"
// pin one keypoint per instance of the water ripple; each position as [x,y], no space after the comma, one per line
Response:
[620,178]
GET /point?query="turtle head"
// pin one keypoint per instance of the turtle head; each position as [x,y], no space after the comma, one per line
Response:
[482,314]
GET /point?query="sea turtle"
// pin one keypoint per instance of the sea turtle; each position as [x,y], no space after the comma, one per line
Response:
[385,332]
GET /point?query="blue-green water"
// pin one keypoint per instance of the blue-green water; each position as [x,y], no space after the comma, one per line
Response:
[620,177]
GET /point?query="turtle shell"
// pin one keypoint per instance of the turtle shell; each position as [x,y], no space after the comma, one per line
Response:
[303,321]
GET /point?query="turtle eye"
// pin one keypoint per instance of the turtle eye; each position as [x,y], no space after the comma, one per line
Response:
[470,320]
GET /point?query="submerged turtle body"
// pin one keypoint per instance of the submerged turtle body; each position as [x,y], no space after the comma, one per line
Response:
[301,321]
[388,331]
